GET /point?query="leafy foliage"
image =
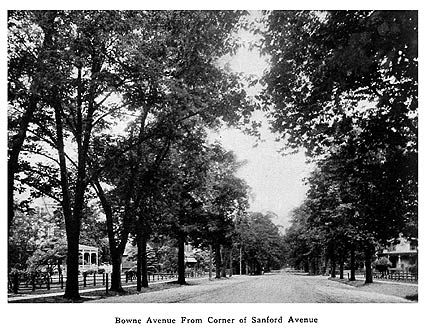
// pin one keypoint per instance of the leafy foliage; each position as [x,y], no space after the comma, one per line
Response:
[336,62]
[261,242]
[344,85]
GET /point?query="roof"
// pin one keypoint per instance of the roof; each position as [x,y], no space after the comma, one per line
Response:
[412,252]
[87,247]
[191,260]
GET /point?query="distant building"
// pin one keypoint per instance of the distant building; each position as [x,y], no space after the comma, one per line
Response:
[189,256]
[88,255]
[129,262]
[89,258]
[402,253]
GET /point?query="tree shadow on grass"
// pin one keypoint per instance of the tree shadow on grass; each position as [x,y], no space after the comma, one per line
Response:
[412,297]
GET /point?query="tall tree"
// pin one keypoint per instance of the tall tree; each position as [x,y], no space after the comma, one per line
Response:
[227,198]
[353,90]
[187,170]
[160,66]
[80,77]
[178,85]
[31,42]
[262,243]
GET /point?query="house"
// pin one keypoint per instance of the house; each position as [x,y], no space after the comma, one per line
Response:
[89,258]
[402,253]
[189,256]
[129,258]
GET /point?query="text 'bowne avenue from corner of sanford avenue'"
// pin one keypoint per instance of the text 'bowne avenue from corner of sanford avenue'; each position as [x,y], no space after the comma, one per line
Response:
[214,320]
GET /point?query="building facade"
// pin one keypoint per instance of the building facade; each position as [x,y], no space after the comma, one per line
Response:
[402,254]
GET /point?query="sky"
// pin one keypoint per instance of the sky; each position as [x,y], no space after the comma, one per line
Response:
[276,180]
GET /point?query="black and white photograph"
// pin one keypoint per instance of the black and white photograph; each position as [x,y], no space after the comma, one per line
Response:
[258,166]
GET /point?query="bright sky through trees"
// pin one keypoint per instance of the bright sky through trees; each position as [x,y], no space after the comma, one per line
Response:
[276,180]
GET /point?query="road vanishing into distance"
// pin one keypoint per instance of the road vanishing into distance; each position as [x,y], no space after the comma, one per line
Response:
[282,287]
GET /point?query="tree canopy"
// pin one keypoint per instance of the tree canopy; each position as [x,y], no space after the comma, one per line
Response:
[344,85]
[74,76]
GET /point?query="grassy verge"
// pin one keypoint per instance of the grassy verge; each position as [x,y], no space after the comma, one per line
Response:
[99,294]
[396,289]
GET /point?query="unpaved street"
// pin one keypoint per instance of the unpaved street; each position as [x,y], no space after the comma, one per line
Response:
[278,287]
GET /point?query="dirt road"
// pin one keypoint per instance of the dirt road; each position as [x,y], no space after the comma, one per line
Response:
[269,288]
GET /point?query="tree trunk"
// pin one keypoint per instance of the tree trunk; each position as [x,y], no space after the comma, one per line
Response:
[180,260]
[211,262]
[352,263]
[144,260]
[333,266]
[258,267]
[240,260]
[324,266]
[223,253]
[59,267]
[83,135]
[72,262]
[317,265]
[116,257]
[217,251]
[116,285]
[306,266]
[231,262]
[139,261]
[341,268]
[312,266]
[368,264]
[72,218]
[116,248]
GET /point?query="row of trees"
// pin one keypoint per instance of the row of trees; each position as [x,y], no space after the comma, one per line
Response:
[111,108]
[344,85]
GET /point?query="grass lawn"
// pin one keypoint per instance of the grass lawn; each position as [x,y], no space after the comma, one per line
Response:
[406,291]
[99,294]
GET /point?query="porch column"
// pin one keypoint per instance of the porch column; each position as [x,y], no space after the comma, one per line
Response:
[82,257]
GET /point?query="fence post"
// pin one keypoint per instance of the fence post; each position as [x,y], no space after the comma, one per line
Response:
[103,278]
[48,282]
[84,279]
[107,283]
[94,279]
[33,282]
[61,280]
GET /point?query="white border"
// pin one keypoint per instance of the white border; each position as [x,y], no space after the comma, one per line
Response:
[84,319]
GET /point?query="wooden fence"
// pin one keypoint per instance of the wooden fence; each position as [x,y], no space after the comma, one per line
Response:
[31,284]
[397,276]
